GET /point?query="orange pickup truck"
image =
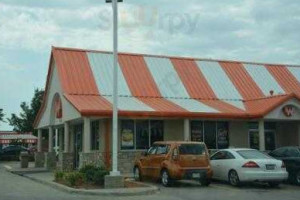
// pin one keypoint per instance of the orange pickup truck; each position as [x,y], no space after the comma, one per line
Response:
[170,161]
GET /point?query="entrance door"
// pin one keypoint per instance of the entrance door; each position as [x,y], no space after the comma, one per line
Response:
[77,144]
[270,142]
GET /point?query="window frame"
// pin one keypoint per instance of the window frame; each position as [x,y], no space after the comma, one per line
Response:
[135,133]
[217,122]
[94,142]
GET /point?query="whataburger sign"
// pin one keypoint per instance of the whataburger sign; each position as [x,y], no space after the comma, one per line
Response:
[288,110]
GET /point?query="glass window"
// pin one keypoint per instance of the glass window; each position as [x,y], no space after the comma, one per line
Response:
[293,152]
[127,134]
[254,139]
[142,134]
[157,130]
[219,156]
[197,131]
[222,135]
[152,150]
[95,138]
[270,140]
[191,149]
[210,134]
[162,149]
[252,154]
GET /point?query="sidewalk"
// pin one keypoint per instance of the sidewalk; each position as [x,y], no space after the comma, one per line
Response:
[41,175]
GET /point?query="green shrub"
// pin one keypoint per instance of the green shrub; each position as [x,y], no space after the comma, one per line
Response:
[58,175]
[93,174]
[74,178]
[98,178]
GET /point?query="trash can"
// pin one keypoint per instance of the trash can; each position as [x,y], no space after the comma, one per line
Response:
[24,159]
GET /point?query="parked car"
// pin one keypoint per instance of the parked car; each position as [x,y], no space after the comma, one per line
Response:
[247,165]
[291,158]
[12,152]
[171,161]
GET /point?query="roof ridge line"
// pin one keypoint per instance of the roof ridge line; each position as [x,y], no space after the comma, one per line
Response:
[175,57]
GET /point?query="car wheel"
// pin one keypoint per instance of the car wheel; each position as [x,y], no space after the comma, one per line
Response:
[297,178]
[233,178]
[205,182]
[137,174]
[273,184]
[165,178]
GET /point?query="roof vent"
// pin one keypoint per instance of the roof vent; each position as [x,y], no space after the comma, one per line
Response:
[271,92]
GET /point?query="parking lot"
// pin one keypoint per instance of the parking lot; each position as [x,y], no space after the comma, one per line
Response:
[17,187]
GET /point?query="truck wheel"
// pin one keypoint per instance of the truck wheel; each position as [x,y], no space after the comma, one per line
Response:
[165,178]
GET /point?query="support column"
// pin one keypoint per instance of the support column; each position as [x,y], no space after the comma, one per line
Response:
[61,138]
[67,136]
[39,142]
[261,132]
[50,142]
[187,135]
[298,133]
[86,135]
[50,157]
[39,156]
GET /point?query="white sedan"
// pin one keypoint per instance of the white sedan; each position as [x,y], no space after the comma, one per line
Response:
[247,165]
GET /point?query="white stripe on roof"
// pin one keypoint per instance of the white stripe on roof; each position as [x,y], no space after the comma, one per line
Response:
[166,77]
[295,71]
[101,65]
[193,105]
[130,104]
[264,79]
[170,85]
[220,82]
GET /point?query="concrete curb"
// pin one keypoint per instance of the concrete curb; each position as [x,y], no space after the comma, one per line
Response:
[147,190]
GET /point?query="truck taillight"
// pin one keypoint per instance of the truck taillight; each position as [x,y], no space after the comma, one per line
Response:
[250,164]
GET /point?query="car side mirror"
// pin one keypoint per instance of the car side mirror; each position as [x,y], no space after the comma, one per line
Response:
[145,153]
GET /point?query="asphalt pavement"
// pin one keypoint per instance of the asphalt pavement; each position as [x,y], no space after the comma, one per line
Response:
[14,187]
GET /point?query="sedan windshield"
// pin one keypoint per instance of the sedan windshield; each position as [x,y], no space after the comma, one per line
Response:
[252,154]
[191,149]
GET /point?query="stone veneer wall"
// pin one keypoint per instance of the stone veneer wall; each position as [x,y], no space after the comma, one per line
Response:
[65,161]
[125,160]
[96,158]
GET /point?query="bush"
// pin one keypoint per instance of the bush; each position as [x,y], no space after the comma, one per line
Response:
[58,175]
[93,174]
[74,178]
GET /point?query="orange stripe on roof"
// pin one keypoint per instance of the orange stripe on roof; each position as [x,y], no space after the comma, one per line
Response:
[190,74]
[162,105]
[242,80]
[142,84]
[138,76]
[198,87]
[74,71]
[285,78]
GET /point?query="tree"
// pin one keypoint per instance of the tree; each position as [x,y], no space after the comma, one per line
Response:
[1,115]
[24,122]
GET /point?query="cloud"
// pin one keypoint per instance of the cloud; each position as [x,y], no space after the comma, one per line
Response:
[252,30]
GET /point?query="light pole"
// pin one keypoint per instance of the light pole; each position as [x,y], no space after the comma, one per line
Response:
[115,171]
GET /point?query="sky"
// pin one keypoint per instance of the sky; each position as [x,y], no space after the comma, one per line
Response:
[250,30]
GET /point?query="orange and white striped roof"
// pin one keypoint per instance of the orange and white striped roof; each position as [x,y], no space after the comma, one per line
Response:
[162,86]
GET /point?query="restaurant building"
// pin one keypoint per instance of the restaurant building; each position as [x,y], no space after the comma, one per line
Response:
[223,103]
